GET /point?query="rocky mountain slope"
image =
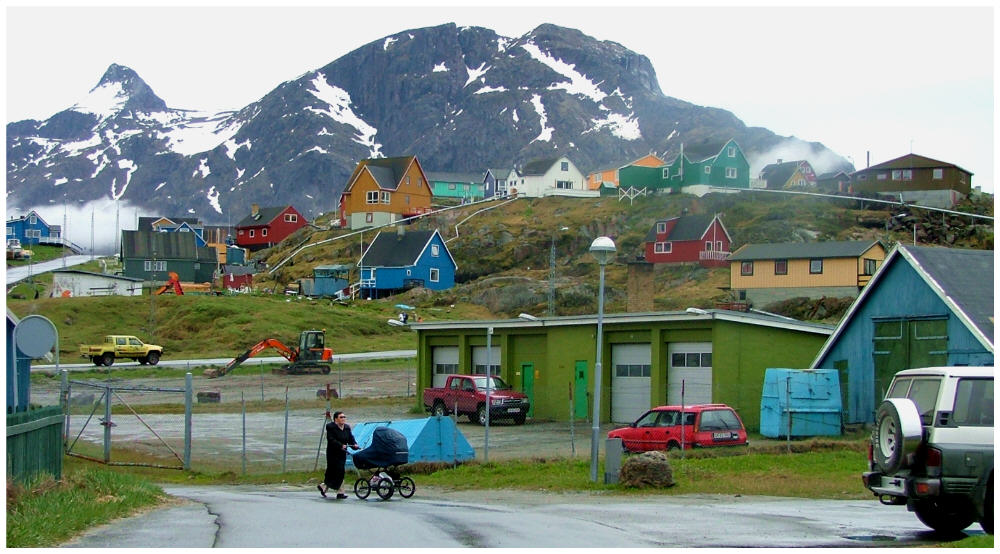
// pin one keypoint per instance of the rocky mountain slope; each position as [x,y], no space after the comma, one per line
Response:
[459,98]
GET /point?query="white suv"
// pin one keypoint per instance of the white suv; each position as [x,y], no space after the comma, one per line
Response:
[932,446]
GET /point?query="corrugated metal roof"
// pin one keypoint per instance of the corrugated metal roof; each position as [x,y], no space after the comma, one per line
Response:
[965,276]
[800,250]
[264,216]
[392,249]
[911,161]
[454,177]
[538,167]
[104,275]
[164,246]
[688,227]
[777,175]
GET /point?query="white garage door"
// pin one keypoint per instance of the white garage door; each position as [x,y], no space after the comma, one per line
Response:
[690,367]
[479,360]
[630,382]
[444,361]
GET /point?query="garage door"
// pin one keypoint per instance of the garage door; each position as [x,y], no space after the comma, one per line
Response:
[479,359]
[630,382]
[444,361]
[689,367]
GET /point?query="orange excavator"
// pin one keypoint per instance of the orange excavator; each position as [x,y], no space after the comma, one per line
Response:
[175,282]
[311,356]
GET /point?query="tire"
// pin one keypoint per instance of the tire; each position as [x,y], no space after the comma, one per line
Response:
[97,360]
[987,521]
[948,517]
[153,358]
[362,489]
[326,370]
[384,488]
[406,487]
[481,415]
[673,446]
[107,359]
[439,409]
[896,435]
[142,361]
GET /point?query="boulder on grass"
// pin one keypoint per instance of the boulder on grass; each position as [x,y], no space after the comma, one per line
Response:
[649,469]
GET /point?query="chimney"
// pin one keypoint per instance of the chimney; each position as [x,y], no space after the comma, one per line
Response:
[779,160]
[254,210]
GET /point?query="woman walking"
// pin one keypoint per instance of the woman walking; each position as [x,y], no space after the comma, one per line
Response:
[338,439]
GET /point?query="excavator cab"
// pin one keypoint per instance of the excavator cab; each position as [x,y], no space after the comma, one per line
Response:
[312,347]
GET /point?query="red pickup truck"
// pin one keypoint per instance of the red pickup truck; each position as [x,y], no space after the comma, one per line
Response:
[466,395]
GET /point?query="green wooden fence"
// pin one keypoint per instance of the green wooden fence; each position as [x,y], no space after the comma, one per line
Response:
[35,443]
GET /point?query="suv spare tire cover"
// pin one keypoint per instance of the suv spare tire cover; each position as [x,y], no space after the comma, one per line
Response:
[896,435]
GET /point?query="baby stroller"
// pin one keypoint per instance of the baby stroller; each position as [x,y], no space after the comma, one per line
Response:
[382,458]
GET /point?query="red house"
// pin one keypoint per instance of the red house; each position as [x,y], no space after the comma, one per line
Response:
[265,227]
[689,238]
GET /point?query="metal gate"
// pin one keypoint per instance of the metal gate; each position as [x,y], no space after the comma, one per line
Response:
[109,390]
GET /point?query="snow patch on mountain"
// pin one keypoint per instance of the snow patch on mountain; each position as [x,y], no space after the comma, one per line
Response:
[339,103]
[476,73]
[213,199]
[103,101]
[488,88]
[388,42]
[546,134]
[232,146]
[440,68]
[203,169]
[622,126]
[200,133]
[578,82]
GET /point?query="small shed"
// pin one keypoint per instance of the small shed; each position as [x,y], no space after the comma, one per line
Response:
[800,403]
[74,282]
[327,280]
[432,439]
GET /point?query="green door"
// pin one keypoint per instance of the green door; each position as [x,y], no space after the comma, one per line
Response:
[580,389]
[528,383]
[905,344]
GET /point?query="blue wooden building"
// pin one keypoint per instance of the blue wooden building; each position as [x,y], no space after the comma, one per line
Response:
[400,260]
[925,306]
[32,229]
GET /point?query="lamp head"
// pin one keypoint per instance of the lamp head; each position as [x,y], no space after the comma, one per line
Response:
[603,250]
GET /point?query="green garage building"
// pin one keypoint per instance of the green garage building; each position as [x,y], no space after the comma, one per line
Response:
[649,359]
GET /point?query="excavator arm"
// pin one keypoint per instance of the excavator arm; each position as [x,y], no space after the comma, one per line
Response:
[288,353]
[175,282]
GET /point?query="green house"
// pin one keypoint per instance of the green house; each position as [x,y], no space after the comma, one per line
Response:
[465,186]
[727,169]
[649,359]
[152,256]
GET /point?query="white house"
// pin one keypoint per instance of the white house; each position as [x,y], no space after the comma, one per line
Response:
[74,282]
[550,177]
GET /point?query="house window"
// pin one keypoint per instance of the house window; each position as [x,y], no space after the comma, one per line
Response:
[33,220]
[730,173]
[369,217]
[451,186]
[746,268]
[781,267]
[409,272]
[708,170]
[863,177]
[407,179]
[564,166]
[291,218]
[870,266]
[158,265]
[371,197]
[662,247]
[938,173]
[251,233]
[708,246]
[666,172]
[33,233]
[239,232]
[407,198]
[435,250]
[902,174]
[732,151]
[718,245]
[10,231]
[816,266]
[435,275]
[564,184]
[882,176]
[263,232]
[386,197]
[661,227]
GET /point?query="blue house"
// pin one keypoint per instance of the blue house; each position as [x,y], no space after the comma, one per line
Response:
[32,229]
[925,306]
[396,261]
[495,182]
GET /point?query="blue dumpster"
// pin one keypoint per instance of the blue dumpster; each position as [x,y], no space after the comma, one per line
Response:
[805,401]
[431,439]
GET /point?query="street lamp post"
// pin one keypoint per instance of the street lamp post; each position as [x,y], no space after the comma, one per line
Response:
[603,250]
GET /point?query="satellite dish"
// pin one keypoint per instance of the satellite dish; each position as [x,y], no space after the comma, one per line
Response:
[35,336]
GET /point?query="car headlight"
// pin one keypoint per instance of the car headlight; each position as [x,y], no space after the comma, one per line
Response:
[496,401]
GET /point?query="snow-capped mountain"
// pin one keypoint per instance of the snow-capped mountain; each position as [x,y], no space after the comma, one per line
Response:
[460,99]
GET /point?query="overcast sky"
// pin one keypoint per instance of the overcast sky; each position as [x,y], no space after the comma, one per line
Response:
[888,81]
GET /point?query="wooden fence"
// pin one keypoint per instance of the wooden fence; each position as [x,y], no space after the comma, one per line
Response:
[35,443]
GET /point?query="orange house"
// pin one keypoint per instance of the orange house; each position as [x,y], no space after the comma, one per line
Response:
[597,178]
[382,191]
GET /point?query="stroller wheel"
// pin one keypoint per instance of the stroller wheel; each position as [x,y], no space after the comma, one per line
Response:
[406,487]
[384,488]
[362,489]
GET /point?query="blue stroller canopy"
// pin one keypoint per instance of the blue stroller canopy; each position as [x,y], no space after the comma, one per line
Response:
[388,448]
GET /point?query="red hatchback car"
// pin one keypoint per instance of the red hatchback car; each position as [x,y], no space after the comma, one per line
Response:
[703,425]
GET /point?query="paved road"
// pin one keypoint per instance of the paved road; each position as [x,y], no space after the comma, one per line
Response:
[15,274]
[296,516]
[337,358]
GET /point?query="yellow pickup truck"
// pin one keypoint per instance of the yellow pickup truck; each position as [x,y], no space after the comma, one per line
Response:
[121,346]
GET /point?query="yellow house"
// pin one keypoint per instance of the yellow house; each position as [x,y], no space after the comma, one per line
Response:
[766,273]
[384,190]
[597,178]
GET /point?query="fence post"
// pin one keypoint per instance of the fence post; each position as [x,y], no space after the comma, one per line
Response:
[64,399]
[284,451]
[188,389]
[572,435]
[107,423]
[243,403]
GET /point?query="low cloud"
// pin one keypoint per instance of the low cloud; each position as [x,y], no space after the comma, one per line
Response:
[823,161]
[93,226]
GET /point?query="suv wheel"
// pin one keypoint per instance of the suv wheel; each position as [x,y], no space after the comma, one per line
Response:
[947,516]
[896,435]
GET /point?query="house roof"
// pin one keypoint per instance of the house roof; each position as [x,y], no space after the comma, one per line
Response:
[454,177]
[264,216]
[164,246]
[394,249]
[146,223]
[688,227]
[27,215]
[538,167]
[911,161]
[387,172]
[779,173]
[799,250]
[968,293]
[830,175]
[765,320]
[104,275]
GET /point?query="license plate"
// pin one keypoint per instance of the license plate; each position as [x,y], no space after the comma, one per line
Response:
[722,436]
[513,410]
